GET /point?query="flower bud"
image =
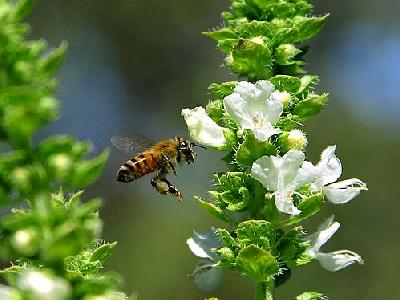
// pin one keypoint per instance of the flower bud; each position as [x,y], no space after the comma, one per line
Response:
[43,286]
[21,178]
[293,140]
[60,164]
[25,241]
[285,53]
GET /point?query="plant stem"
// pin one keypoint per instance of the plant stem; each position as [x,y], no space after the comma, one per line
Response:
[265,290]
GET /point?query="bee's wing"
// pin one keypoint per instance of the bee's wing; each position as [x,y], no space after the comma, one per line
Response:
[131,145]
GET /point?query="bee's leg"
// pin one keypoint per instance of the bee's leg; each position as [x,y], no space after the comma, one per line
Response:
[168,164]
[163,186]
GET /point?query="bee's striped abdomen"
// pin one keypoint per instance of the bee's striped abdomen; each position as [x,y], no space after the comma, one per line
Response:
[138,166]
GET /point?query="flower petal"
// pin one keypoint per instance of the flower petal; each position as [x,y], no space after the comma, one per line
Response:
[202,128]
[274,107]
[202,243]
[337,260]
[344,191]
[329,167]
[263,134]
[284,203]
[308,173]
[277,173]
[235,106]
[324,232]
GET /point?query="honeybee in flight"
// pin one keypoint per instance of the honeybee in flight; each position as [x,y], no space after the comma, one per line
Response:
[149,157]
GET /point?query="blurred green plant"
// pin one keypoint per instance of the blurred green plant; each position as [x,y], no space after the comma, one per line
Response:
[51,240]
[270,188]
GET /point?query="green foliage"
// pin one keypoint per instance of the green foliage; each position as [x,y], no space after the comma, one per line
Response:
[251,149]
[49,238]
[260,36]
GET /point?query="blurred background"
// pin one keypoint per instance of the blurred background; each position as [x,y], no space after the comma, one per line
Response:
[133,65]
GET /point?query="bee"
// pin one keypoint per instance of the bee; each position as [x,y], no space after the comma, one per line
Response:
[151,157]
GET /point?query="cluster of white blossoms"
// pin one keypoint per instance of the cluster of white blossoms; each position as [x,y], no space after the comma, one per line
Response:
[257,107]
[252,106]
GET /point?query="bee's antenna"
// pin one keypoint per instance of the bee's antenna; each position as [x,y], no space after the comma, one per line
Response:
[197,145]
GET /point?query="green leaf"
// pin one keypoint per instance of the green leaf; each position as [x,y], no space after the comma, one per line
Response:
[311,106]
[226,238]
[233,190]
[252,149]
[308,207]
[289,122]
[88,171]
[52,62]
[310,296]
[256,232]
[290,245]
[251,58]
[256,263]
[297,29]
[221,34]
[290,84]
[212,209]
[103,252]
[224,89]
[307,83]
[307,27]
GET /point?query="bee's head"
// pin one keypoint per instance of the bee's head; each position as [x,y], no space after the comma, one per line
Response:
[185,149]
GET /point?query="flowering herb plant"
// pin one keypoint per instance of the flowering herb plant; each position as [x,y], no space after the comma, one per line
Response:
[52,240]
[270,187]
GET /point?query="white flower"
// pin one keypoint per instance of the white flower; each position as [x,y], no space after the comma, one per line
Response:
[43,286]
[206,276]
[202,128]
[278,174]
[324,175]
[202,243]
[256,107]
[332,261]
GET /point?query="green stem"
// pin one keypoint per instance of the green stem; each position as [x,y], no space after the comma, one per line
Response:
[265,290]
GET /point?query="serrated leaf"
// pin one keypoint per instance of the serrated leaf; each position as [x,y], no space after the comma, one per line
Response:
[252,149]
[103,252]
[298,29]
[257,232]
[307,83]
[224,89]
[311,106]
[256,263]
[212,209]
[286,83]
[226,238]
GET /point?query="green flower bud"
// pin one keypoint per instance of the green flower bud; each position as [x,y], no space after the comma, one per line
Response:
[227,254]
[60,164]
[21,178]
[293,140]
[25,241]
[285,53]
